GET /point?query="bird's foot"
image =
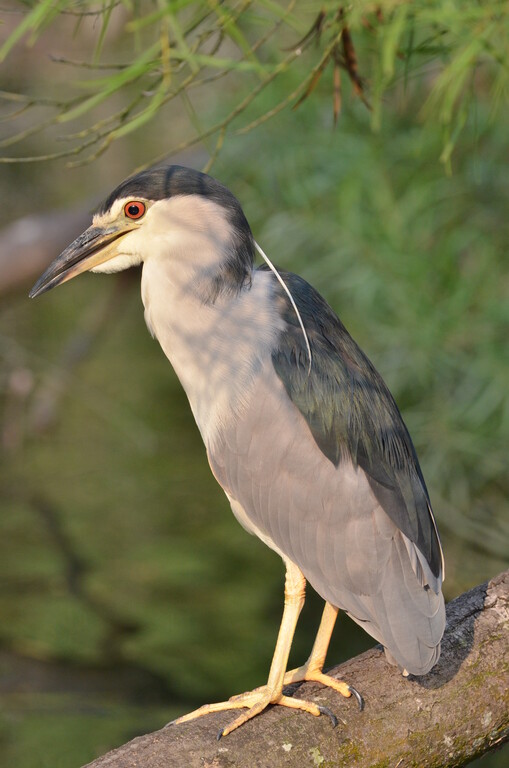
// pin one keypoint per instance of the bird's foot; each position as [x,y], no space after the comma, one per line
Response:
[309,674]
[255,702]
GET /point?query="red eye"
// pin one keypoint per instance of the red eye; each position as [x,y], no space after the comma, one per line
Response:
[135,209]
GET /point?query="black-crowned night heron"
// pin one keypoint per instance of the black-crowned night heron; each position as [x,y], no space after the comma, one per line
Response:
[300,430]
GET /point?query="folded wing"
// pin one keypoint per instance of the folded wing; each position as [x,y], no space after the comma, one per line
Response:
[320,466]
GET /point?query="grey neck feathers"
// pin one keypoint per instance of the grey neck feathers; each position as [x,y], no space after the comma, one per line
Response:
[234,274]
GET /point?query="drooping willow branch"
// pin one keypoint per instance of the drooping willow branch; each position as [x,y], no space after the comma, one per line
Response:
[177,47]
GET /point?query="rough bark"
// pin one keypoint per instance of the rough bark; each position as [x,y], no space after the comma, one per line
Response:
[457,712]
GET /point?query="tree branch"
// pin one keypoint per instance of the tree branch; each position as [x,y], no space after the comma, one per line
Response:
[457,712]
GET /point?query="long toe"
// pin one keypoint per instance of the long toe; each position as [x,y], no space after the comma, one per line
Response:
[254,702]
[285,701]
[208,709]
[303,674]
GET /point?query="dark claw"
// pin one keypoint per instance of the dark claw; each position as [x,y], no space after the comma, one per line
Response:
[360,700]
[220,734]
[330,715]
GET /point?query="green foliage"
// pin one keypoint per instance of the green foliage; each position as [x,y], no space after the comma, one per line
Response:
[458,48]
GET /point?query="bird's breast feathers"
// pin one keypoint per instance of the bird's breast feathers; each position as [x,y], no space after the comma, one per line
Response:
[216,349]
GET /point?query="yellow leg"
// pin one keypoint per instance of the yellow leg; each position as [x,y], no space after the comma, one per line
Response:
[312,669]
[272,693]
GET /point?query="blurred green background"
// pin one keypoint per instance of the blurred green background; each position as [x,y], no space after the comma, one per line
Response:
[129,594]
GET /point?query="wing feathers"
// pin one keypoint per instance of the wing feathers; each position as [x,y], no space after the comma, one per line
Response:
[351,413]
[359,527]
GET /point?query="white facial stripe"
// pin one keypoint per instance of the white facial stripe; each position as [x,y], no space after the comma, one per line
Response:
[116,211]
[191,212]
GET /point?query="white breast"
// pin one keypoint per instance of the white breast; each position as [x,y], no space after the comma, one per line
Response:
[216,349]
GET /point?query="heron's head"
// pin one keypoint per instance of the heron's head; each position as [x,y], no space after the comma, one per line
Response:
[172,213]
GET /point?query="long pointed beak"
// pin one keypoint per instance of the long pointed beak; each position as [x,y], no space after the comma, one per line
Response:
[93,247]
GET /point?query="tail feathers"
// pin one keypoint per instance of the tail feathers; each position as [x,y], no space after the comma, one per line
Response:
[405,616]
[432,660]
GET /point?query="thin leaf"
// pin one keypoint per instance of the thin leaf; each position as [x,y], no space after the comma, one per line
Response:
[104,27]
[30,22]
[136,70]
[229,26]
[391,38]
[214,62]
